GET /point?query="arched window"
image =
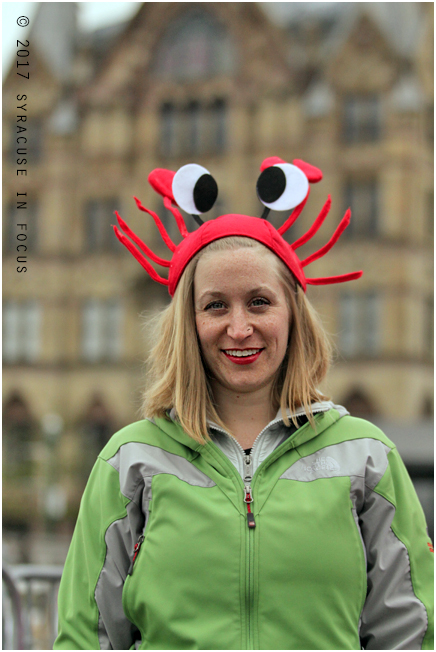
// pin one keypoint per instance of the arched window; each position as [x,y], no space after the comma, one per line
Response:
[193,129]
[362,118]
[97,428]
[195,46]
[22,331]
[359,404]
[19,430]
[102,329]
[99,215]
[360,324]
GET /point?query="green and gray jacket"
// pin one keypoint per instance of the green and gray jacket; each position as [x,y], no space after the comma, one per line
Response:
[338,557]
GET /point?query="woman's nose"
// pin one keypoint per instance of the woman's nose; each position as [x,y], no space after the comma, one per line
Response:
[239,326]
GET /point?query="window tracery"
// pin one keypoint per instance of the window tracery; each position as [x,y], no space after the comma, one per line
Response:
[195,46]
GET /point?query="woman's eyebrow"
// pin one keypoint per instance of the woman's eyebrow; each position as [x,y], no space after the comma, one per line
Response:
[217,293]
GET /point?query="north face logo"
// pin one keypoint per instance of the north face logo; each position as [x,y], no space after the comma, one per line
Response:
[323,464]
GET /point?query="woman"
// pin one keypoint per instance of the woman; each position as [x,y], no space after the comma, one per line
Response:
[245,511]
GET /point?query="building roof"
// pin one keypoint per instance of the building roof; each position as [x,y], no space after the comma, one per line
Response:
[400,22]
[54,33]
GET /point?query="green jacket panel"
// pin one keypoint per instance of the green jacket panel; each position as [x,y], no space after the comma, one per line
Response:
[338,558]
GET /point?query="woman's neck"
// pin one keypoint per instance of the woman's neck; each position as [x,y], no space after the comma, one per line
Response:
[245,414]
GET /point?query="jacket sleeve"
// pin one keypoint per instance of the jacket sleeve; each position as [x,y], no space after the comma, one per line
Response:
[398,612]
[91,615]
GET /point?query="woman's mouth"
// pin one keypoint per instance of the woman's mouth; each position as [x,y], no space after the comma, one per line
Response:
[242,356]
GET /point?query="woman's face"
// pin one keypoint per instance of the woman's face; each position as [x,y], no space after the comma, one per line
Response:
[240,307]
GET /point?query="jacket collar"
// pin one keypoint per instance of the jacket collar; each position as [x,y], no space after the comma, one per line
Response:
[276,433]
[271,436]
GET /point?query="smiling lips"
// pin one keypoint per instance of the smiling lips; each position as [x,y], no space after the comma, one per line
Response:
[242,356]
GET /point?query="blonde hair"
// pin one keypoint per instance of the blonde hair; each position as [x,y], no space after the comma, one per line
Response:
[176,377]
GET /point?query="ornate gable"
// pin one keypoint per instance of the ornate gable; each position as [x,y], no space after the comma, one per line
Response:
[187,44]
[364,62]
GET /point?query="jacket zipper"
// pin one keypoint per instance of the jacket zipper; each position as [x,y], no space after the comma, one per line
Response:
[248,499]
[136,549]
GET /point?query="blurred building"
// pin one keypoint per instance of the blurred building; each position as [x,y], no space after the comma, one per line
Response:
[347,87]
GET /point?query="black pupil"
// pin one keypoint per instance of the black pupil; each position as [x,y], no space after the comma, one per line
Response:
[271,184]
[205,193]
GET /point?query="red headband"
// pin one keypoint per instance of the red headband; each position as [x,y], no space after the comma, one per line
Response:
[281,186]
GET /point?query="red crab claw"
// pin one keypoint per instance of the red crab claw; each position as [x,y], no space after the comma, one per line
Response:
[312,173]
[162,182]
[271,160]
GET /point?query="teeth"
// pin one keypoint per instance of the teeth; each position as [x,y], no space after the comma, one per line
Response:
[243,354]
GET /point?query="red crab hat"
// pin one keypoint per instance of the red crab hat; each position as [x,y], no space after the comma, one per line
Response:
[281,186]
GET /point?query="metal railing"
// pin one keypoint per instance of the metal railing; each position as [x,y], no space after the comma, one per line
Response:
[29,611]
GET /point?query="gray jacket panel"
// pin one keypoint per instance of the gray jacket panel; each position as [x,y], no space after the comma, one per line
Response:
[136,464]
[393,617]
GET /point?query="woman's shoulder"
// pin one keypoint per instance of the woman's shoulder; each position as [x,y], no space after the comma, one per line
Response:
[349,427]
[159,432]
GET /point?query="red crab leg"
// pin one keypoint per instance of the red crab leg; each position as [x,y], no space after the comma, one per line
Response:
[166,238]
[177,215]
[335,237]
[148,252]
[315,226]
[327,280]
[139,257]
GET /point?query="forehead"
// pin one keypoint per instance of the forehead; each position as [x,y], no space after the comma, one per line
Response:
[236,270]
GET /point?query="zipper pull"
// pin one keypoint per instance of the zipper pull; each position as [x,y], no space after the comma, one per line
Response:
[136,549]
[249,499]
[248,469]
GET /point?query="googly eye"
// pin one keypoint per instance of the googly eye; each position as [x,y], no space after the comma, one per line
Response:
[194,189]
[282,186]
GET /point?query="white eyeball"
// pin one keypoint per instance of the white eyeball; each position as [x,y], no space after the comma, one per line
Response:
[194,189]
[282,186]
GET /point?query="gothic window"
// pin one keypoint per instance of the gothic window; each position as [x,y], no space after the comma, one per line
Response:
[195,46]
[168,130]
[362,119]
[362,196]
[193,129]
[21,331]
[427,411]
[100,236]
[429,327]
[18,436]
[218,126]
[360,324]
[102,330]
[359,404]
[97,428]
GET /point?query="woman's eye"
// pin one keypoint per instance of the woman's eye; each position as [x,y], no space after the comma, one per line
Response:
[264,302]
[218,304]
[214,303]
